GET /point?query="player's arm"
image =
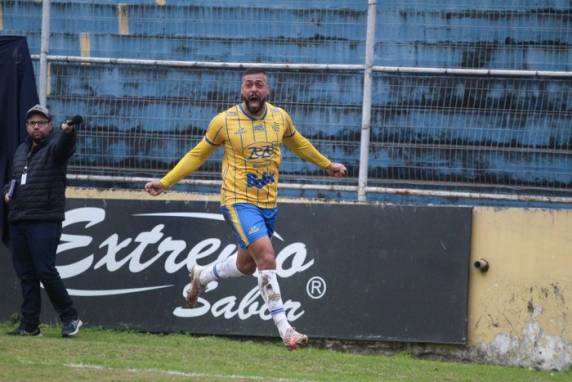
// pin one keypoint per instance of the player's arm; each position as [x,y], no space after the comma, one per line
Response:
[192,161]
[303,148]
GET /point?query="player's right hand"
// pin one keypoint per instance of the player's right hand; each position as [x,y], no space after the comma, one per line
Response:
[154,187]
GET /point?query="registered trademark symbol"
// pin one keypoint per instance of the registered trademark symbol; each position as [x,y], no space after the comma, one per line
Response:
[316,287]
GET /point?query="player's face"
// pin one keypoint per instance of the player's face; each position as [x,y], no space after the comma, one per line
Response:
[254,92]
[38,127]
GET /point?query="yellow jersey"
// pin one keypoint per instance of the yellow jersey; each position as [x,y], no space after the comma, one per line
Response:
[252,154]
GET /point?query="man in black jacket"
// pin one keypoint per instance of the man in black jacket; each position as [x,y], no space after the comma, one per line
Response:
[36,203]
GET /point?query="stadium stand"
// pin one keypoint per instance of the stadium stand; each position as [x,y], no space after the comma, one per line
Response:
[428,131]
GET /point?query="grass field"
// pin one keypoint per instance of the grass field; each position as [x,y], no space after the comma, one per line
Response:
[106,355]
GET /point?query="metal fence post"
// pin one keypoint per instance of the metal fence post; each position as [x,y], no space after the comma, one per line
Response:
[44,49]
[366,104]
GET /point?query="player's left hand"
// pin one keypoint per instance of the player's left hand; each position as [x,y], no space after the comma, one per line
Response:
[336,169]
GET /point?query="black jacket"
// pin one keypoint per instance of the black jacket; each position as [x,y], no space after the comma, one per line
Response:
[43,195]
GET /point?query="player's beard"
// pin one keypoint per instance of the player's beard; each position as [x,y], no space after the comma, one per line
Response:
[254,104]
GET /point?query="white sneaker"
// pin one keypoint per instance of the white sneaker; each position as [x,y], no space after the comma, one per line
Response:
[196,287]
[292,339]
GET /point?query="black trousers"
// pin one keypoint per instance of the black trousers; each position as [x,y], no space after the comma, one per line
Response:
[34,245]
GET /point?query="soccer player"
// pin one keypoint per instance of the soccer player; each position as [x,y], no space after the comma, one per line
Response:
[251,134]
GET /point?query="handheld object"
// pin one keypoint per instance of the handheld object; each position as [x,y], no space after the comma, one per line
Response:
[75,120]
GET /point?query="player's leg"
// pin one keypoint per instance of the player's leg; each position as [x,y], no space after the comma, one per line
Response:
[264,256]
[259,229]
[237,265]
[244,262]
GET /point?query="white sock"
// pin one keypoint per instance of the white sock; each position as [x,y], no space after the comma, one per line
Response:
[219,270]
[270,291]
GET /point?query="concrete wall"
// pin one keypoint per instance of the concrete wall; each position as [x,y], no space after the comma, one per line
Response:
[519,310]
[517,34]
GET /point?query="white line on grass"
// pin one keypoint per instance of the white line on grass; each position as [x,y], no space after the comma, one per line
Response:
[186,374]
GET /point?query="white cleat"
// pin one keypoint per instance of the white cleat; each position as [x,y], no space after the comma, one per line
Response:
[292,339]
[196,287]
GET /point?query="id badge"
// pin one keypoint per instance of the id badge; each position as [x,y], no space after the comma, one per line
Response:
[23,178]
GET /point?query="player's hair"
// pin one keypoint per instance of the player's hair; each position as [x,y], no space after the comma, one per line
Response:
[253,71]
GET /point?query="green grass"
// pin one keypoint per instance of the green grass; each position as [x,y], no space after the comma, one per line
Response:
[106,355]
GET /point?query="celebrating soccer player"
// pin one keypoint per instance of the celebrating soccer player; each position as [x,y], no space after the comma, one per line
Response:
[251,134]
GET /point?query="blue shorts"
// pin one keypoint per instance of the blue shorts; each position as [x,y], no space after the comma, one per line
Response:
[250,222]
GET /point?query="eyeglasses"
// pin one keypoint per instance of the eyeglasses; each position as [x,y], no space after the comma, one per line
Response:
[39,123]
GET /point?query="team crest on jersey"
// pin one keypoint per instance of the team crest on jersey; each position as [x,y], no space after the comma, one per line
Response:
[258,127]
[276,126]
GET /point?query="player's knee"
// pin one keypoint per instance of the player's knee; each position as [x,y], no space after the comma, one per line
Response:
[247,268]
[263,254]
[266,261]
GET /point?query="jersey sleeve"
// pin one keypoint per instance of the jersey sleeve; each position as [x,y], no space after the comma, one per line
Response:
[301,146]
[289,128]
[214,134]
[195,158]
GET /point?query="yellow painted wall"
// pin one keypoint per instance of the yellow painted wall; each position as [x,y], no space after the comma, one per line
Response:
[530,275]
